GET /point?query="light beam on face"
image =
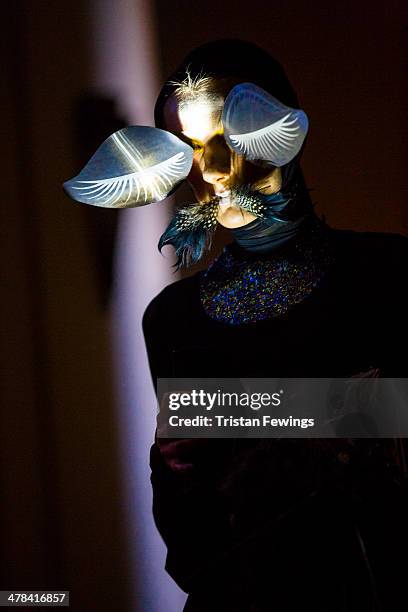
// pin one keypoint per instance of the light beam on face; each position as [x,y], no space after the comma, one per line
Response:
[201,117]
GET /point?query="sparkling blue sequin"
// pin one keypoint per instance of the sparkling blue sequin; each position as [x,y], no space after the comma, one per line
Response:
[237,289]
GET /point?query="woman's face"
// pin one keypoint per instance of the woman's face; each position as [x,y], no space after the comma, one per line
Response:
[195,117]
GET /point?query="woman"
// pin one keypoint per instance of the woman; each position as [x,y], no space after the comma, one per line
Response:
[280,524]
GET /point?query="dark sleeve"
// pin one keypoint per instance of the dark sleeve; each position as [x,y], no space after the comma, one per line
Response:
[154,331]
[188,510]
[392,294]
[401,297]
[189,515]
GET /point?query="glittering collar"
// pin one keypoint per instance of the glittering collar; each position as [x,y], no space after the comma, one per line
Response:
[244,287]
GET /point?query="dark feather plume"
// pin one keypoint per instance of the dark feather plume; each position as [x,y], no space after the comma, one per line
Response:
[190,232]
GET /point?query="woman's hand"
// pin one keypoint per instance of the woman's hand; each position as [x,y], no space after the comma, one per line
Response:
[179,454]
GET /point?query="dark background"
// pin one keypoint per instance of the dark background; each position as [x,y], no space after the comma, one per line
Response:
[60,478]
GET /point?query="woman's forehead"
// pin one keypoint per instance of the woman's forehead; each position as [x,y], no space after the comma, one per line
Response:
[197,113]
[197,118]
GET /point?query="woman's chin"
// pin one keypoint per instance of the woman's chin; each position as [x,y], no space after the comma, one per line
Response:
[233,217]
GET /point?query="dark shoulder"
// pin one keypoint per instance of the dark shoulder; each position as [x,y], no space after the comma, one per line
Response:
[172,301]
[371,270]
[371,239]
[366,248]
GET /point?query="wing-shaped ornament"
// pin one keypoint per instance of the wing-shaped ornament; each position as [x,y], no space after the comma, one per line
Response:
[135,166]
[260,127]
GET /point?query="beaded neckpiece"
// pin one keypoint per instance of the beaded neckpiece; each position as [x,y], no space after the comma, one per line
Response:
[241,287]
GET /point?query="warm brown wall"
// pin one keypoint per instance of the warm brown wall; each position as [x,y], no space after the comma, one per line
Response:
[347,61]
[61,514]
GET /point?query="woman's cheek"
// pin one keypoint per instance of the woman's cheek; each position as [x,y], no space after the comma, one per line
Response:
[203,191]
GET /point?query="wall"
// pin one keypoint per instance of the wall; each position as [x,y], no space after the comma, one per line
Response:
[61,513]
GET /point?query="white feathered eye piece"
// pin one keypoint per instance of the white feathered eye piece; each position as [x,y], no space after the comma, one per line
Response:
[135,166]
[259,127]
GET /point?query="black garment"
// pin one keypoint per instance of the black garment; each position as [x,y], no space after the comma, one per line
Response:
[281,525]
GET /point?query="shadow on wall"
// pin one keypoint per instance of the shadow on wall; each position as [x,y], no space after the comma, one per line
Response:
[94,119]
[61,520]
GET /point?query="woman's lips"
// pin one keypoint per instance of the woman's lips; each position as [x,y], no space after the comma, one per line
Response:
[225,200]
[228,211]
[230,214]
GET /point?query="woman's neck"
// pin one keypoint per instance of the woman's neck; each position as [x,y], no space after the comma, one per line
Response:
[265,236]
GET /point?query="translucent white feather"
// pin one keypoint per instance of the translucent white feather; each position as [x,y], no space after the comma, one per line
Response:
[133,167]
[151,184]
[259,127]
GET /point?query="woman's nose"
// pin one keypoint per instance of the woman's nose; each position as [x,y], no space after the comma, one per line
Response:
[216,160]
